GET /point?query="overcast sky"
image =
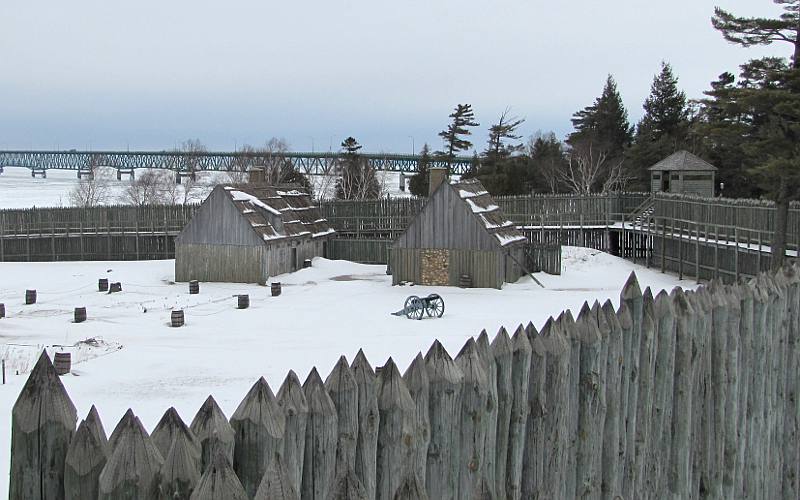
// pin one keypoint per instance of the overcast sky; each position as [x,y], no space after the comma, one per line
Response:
[100,74]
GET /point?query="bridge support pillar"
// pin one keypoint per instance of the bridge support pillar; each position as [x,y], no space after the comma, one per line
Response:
[1,169]
[402,181]
[179,175]
[126,171]
[88,173]
[39,171]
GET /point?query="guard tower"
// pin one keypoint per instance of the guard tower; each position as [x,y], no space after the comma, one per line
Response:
[683,173]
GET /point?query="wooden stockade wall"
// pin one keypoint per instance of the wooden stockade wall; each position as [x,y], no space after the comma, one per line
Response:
[97,233]
[686,394]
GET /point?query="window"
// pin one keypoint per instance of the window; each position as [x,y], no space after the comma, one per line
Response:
[697,177]
[656,177]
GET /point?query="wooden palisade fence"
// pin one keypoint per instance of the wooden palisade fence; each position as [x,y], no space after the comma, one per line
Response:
[686,394]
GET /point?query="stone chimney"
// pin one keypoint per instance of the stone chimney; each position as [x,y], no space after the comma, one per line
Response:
[256,175]
[436,176]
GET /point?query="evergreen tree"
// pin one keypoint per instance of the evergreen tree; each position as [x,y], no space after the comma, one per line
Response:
[420,182]
[604,124]
[462,118]
[358,180]
[664,128]
[773,107]
[547,161]
[504,130]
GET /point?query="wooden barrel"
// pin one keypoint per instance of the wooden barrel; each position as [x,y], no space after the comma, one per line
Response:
[275,288]
[306,263]
[2,310]
[30,297]
[102,285]
[177,318]
[194,287]
[244,301]
[80,314]
[115,287]
[465,281]
[62,362]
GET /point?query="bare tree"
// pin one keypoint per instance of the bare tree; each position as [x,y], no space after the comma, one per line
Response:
[588,170]
[92,190]
[146,189]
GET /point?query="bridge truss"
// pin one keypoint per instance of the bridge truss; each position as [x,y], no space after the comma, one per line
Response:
[189,162]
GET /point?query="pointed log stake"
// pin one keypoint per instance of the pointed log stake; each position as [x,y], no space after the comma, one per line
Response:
[490,441]
[259,426]
[277,483]
[533,462]
[473,419]
[445,409]
[348,487]
[680,483]
[609,486]
[368,422]
[591,404]
[520,373]
[411,489]
[168,429]
[647,358]
[396,435]
[42,425]
[572,333]
[181,470]
[319,460]
[292,400]
[127,419]
[557,412]
[87,455]
[213,431]
[416,379]
[132,470]
[664,378]
[503,351]
[343,390]
[633,299]
[219,482]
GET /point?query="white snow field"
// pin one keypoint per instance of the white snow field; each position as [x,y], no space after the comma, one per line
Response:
[19,190]
[330,309]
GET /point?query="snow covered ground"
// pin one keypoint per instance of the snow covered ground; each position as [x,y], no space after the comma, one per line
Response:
[19,190]
[136,360]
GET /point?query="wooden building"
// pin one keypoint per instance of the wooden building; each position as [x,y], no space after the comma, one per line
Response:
[459,231]
[247,233]
[683,173]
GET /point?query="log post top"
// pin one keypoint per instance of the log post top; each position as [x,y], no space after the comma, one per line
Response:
[291,396]
[260,407]
[43,399]
[441,367]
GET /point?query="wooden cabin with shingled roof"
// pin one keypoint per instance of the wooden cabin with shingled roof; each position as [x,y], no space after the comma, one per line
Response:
[247,233]
[459,234]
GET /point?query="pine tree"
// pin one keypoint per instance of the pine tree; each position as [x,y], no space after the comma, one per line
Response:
[547,161]
[453,136]
[358,180]
[604,124]
[778,98]
[420,182]
[664,128]
[499,133]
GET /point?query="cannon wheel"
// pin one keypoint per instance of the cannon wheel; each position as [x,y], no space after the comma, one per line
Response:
[414,307]
[434,306]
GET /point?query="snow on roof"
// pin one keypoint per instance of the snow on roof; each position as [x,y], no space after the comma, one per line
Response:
[278,214]
[487,211]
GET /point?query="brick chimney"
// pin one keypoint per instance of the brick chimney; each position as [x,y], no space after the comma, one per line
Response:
[436,176]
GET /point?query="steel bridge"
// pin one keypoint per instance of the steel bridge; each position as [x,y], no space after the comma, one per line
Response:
[186,163]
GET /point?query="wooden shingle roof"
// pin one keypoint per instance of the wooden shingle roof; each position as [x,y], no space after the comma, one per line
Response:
[487,212]
[683,160]
[278,213]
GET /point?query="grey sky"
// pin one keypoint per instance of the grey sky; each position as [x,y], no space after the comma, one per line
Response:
[148,74]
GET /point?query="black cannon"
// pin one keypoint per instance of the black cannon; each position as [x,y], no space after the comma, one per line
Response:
[417,307]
